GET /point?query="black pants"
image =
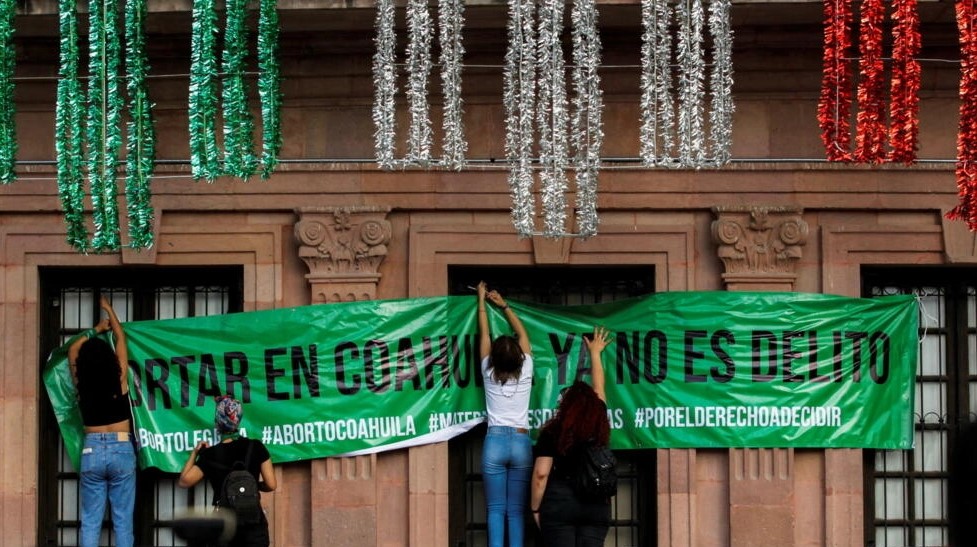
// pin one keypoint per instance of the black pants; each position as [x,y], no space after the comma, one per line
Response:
[251,535]
[566,521]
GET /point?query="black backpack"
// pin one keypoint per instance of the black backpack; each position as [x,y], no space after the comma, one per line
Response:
[596,475]
[239,492]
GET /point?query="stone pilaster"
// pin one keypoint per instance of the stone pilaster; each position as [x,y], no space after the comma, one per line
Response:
[343,248]
[759,246]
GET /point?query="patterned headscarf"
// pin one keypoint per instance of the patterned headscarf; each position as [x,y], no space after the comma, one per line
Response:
[229,413]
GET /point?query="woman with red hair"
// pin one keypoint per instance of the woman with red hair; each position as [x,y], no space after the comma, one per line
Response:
[566,518]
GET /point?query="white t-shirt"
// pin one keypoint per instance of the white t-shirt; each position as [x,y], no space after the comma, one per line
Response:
[508,404]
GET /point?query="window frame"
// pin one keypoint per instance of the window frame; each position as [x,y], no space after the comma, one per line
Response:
[143,282]
[957,286]
[552,285]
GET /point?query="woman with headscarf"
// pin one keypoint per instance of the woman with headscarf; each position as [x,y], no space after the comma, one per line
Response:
[108,459]
[566,517]
[507,456]
[216,462]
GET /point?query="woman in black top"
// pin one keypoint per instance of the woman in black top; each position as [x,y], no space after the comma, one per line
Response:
[564,517]
[108,459]
[217,461]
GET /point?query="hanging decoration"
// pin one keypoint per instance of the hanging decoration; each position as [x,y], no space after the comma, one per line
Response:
[691,62]
[966,168]
[872,130]
[141,135]
[451,21]
[384,85]
[674,113]
[519,99]
[239,158]
[104,121]
[8,132]
[419,32]
[906,74]
[202,104]
[721,82]
[657,112]
[552,117]
[834,105]
[95,121]
[269,86]
[68,130]
[587,129]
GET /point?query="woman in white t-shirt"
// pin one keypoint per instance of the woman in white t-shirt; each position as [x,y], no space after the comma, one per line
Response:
[507,456]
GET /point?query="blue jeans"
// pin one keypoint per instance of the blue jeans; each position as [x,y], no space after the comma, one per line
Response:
[507,463]
[108,471]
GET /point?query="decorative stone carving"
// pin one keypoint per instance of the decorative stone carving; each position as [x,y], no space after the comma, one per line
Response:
[759,244]
[343,248]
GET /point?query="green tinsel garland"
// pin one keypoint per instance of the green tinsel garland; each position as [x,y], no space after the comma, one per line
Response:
[239,159]
[204,155]
[104,117]
[68,129]
[269,86]
[8,132]
[141,143]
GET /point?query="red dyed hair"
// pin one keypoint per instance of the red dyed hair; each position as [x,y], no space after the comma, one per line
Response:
[581,417]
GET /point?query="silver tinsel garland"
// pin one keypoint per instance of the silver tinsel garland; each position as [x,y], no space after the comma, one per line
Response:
[385,85]
[419,35]
[721,82]
[588,132]
[518,96]
[451,20]
[552,117]
[658,129]
[657,108]
[673,111]
[691,62]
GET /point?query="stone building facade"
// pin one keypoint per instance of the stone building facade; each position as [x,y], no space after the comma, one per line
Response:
[329,226]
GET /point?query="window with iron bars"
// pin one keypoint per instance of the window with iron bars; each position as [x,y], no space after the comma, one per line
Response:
[633,510]
[70,305]
[906,490]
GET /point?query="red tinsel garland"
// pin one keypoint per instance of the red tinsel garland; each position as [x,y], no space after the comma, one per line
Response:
[834,105]
[904,90]
[870,129]
[966,170]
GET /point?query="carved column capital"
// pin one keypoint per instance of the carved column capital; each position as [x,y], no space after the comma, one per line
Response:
[759,246]
[343,248]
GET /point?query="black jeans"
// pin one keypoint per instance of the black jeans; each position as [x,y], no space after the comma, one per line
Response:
[566,521]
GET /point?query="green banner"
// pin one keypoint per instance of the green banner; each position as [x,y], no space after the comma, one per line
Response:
[695,369]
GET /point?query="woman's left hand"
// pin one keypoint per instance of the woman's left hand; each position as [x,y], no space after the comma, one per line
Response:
[496,298]
[598,341]
[104,325]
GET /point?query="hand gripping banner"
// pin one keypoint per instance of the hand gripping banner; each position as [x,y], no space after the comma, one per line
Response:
[691,369]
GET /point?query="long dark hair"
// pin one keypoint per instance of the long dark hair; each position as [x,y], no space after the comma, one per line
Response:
[505,359]
[581,417]
[98,370]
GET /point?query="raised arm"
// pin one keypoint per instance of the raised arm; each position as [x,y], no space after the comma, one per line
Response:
[121,351]
[595,345]
[484,336]
[514,322]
